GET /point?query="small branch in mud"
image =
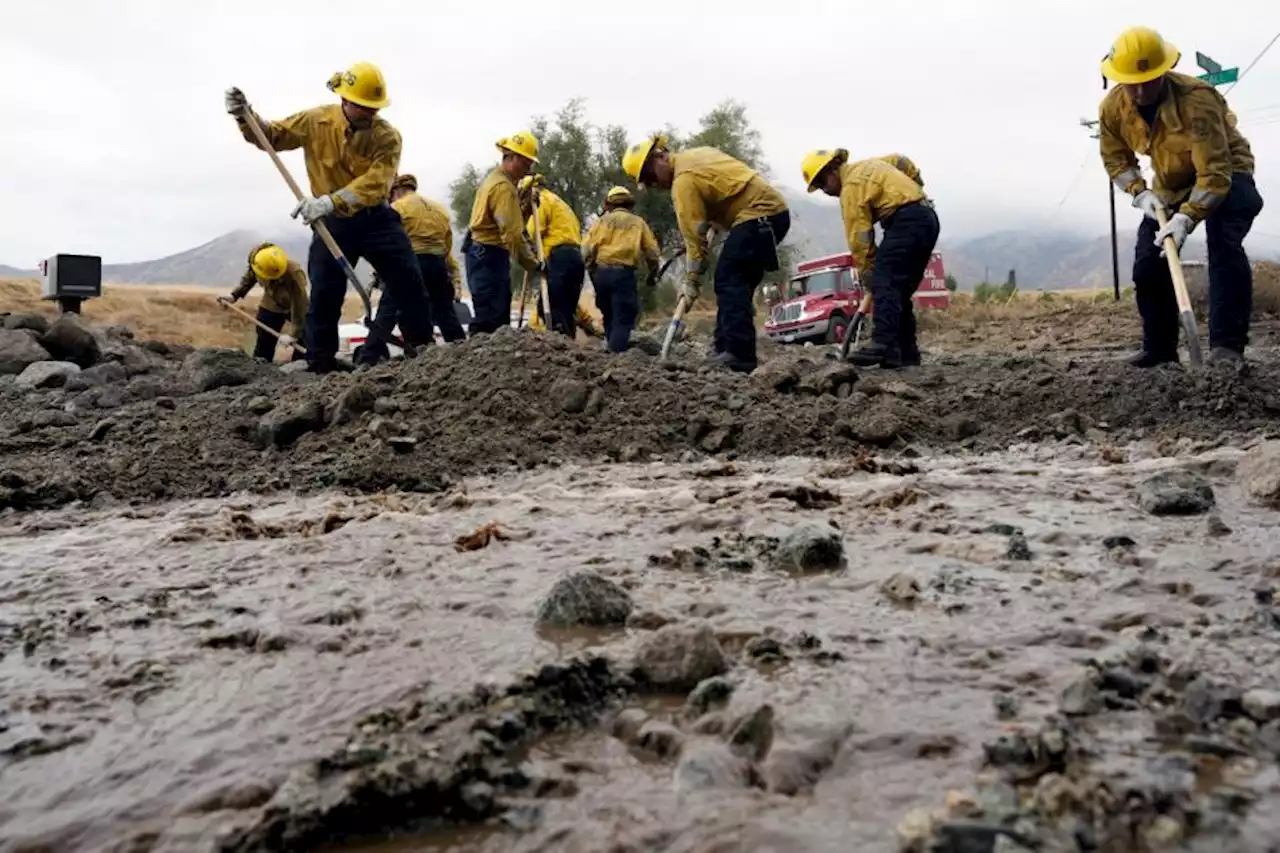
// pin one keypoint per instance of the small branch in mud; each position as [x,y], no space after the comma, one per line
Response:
[483,535]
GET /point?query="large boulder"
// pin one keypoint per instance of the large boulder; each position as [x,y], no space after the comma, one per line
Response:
[19,350]
[677,657]
[69,339]
[810,547]
[1259,473]
[1175,492]
[37,323]
[46,374]
[584,598]
[207,369]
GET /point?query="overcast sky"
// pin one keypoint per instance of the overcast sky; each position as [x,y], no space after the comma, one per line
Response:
[115,141]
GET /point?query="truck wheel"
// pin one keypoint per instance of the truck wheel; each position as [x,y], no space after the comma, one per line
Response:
[837,330]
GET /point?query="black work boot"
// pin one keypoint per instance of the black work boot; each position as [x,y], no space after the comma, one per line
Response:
[1152,359]
[877,355]
[729,360]
[1225,355]
[321,363]
[910,357]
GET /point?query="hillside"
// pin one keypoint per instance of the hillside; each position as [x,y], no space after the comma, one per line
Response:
[1044,259]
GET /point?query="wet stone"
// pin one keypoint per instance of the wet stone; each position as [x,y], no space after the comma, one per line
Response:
[660,739]
[678,657]
[647,620]
[709,693]
[37,323]
[1215,526]
[282,427]
[810,548]
[752,737]
[584,598]
[900,588]
[351,403]
[46,374]
[1176,492]
[709,765]
[570,395]
[1205,700]
[1262,705]
[1018,549]
[1081,697]
[1007,707]
[1259,474]
[18,351]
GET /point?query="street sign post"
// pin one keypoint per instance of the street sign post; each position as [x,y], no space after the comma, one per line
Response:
[1222,77]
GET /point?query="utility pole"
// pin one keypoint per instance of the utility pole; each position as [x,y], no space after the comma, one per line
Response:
[1111,198]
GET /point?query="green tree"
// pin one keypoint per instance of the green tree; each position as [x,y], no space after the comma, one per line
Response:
[462,195]
[952,284]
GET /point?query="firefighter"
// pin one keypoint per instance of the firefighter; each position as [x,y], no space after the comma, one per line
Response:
[427,224]
[1203,173]
[496,235]
[872,191]
[351,155]
[284,297]
[710,188]
[616,244]
[582,319]
[561,234]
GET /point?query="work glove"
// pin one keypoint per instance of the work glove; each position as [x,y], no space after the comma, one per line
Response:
[689,290]
[1148,202]
[1178,228]
[312,209]
[237,104]
[287,340]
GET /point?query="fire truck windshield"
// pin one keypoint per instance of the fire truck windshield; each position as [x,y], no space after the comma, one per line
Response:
[827,281]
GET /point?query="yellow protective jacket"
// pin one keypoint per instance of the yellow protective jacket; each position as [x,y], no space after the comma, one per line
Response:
[496,219]
[870,190]
[1194,146]
[353,167]
[284,295]
[712,187]
[620,239]
[582,317]
[427,224]
[557,221]
[905,165]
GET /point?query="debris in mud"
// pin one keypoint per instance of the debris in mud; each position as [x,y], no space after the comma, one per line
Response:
[584,598]
[280,428]
[350,404]
[807,497]
[895,499]
[808,548]
[1018,548]
[901,588]
[675,658]
[1175,492]
[481,537]
[1259,473]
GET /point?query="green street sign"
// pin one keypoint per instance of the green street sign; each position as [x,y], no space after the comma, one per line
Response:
[1207,64]
[1219,78]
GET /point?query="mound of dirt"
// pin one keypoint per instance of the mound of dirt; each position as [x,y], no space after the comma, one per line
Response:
[515,400]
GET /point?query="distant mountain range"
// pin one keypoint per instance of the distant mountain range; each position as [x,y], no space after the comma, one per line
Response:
[1043,259]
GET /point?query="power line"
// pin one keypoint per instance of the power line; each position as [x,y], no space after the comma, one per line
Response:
[1249,67]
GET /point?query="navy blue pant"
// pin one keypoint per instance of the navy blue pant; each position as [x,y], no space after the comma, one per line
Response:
[375,234]
[489,280]
[750,250]
[265,346]
[619,304]
[1230,277]
[910,233]
[565,274]
[440,310]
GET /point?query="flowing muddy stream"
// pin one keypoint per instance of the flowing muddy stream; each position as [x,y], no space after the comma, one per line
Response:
[186,676]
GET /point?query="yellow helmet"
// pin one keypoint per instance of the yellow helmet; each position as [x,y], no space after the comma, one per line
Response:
[637,155]
[269,262]
[1138,56]
[815,161]
[619,195]
[523,144]
[361,84]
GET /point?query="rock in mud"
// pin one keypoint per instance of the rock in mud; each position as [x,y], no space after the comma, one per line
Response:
[916,830]
[1205,700]
[46,374]
[18,351]
[37,323]
[659,739]
[647,620]
[958,427]
[627,724]
[753,736]
[710,764]
[207,369]
[68,339]
[677,657]
[810,548]
[1081,697]
[709,693]
[1262,705]
[570,395]
[351,403]
[281,428]
[1259,473]
[791,770]
[878,427]
[827,379]
[1018,549]
[1175,492]
[584,598]
[780,376]
[106,373]
[900,588]
[1216,527]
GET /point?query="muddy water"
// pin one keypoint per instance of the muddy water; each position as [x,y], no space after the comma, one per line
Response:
[165,669]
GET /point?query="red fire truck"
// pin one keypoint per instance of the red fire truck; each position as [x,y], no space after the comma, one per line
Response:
[825,301]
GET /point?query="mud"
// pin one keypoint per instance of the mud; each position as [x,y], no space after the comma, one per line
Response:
[516,401]
[331,672]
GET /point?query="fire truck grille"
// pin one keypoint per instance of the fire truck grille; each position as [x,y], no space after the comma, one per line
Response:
[786,313]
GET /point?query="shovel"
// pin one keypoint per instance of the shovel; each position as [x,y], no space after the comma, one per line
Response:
[226,303]
[1180,291]
[251,119]
[542,276]
[524,289]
